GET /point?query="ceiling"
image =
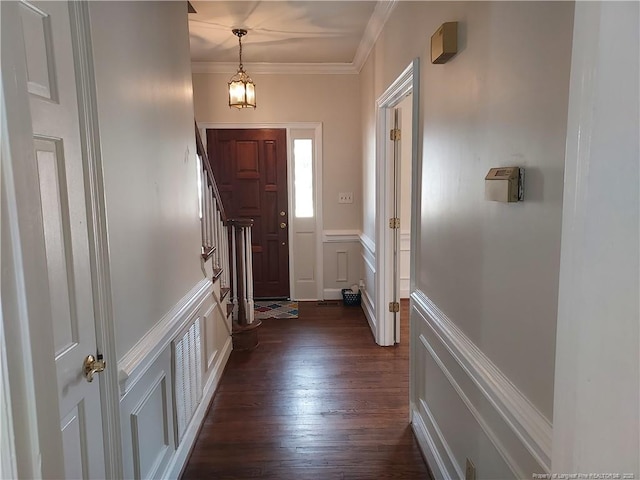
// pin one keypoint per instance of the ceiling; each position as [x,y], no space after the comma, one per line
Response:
[331,36]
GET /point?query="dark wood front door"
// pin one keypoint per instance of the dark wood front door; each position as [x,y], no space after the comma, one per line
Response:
[250,166]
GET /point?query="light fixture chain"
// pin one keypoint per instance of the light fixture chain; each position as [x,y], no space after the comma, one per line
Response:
[240,43]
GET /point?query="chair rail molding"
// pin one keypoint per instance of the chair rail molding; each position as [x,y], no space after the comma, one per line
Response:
[142,355]
[341,236]
[368,243]
[528,424]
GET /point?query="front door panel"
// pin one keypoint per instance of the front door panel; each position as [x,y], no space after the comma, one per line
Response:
[250,166]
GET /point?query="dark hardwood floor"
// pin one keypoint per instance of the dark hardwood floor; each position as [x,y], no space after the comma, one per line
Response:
[316,400]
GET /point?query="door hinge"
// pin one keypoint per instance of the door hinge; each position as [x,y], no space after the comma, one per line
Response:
[394,307]
[394,223]
[394,134]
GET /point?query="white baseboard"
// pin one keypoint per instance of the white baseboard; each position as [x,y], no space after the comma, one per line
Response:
[369,312]
[434,446]
[181,455]
[332,293]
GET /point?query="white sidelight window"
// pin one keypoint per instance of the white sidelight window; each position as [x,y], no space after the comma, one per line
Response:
[303,177]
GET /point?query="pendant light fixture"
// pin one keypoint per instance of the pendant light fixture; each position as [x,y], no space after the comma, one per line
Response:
[242,90]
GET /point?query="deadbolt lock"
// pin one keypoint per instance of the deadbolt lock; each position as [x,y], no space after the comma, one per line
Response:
[282,213]
[91,366]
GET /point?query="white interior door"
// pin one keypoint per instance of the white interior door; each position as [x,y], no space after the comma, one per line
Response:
[395,234]
[51,70]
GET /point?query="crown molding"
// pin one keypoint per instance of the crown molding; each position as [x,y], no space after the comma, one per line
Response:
[376,23]
[276,68]
[380,15]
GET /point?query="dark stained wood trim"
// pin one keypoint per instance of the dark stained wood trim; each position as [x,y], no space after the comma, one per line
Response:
[240,222]
[224,291]
[217,272]
[207,252]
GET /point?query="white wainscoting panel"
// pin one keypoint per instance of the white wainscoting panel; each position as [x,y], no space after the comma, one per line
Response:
[146,421]
[208,327]
[369,274]
[342,259]
[135,362]
[405,264]
[342,263]
[437,452]
[150,430]
[369,311]
[464,406]
[164,401]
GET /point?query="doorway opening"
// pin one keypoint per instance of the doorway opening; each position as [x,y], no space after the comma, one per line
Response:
[250,169]
[397,174]
[403,114]
[300,240]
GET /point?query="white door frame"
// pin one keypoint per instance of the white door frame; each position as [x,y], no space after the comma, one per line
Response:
[317,179]
[408,82]
[26,313]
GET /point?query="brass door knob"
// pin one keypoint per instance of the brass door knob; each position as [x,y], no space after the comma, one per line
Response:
[283,225]
[91,366]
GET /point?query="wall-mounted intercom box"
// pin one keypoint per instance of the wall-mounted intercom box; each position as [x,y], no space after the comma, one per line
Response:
[504,184]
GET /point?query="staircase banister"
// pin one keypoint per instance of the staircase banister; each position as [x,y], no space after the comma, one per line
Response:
[207,166]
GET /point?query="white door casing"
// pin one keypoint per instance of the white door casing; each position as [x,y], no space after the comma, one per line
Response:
[53,98]
[295,273]
[385,289]
[394,119]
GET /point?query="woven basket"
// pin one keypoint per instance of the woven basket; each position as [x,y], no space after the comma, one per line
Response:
[349,298]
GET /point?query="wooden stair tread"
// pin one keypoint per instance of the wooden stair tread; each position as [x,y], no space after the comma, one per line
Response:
[217,272]
[224,291]
[207,252]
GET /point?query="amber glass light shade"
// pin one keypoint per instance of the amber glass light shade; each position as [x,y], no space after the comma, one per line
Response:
[242,91]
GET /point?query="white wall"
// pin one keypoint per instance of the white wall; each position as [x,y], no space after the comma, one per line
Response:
[487,273]
[597,395]
[143,76]
[330,99]
[159,283]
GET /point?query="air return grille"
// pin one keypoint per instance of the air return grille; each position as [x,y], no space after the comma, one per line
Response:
[187,376]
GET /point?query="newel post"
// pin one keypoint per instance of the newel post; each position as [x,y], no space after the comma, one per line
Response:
[245,334]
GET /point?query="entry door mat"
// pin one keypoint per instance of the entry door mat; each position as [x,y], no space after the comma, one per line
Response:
[275,309]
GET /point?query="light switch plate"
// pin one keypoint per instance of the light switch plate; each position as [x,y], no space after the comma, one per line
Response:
[345,197]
